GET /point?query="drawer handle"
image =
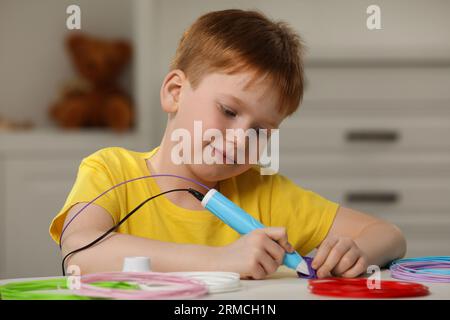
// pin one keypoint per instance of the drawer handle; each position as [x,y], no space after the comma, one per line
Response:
[372,136]
[372,197]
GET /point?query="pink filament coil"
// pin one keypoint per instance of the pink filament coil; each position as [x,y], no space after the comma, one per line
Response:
[173,287]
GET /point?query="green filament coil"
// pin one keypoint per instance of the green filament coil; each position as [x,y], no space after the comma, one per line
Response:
[41,289]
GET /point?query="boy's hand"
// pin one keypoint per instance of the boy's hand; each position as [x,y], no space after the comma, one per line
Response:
[339,256]
[256,254]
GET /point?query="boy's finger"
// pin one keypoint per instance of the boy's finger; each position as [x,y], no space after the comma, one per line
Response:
[269,264]
[287,247]
[335,255]
[322,252]
[356,270]
[258,273]
[290,248]
[274,250]
[347,261]
[279,235]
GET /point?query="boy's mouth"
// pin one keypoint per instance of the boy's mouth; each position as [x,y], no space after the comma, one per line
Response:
[224,156]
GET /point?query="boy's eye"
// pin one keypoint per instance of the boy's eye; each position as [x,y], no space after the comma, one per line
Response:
[228,112]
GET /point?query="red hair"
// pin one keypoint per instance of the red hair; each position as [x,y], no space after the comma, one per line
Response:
[234,41]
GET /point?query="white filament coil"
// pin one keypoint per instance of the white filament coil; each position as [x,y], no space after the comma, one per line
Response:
[216,281]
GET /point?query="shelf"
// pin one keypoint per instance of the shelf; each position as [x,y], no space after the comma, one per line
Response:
[57,140]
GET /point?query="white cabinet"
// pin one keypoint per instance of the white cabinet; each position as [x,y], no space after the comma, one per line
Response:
[37,187]
[34,183]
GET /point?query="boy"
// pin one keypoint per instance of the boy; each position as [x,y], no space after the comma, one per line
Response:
[233,69]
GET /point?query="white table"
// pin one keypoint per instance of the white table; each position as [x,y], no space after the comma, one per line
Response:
[285,285]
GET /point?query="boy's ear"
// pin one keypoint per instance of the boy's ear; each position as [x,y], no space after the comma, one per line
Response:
[170,90]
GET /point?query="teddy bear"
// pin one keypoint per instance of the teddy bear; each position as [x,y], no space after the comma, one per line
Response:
[95,99]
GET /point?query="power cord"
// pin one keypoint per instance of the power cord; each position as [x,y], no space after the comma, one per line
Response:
[126,182]
[198,195]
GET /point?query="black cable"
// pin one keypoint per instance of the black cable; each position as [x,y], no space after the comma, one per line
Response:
[198,195]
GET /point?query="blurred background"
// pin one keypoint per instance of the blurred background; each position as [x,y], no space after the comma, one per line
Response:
[373,132]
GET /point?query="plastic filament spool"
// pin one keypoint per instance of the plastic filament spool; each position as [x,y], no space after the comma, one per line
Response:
[169,286]
[49,289]
[422,269]
[217,282]
[358,288]
[116,285]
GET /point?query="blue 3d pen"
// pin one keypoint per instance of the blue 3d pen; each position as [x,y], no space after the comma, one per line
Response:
[244,223]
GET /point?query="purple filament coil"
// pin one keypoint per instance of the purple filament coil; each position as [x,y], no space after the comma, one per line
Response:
[423,269]
[312,272]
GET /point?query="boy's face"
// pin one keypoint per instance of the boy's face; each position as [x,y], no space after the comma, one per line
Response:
[222,102]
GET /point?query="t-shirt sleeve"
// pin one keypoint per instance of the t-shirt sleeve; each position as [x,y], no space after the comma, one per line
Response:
[306,215]
[92,179]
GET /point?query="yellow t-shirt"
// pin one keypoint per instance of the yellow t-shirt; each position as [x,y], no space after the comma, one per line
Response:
[272,199]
